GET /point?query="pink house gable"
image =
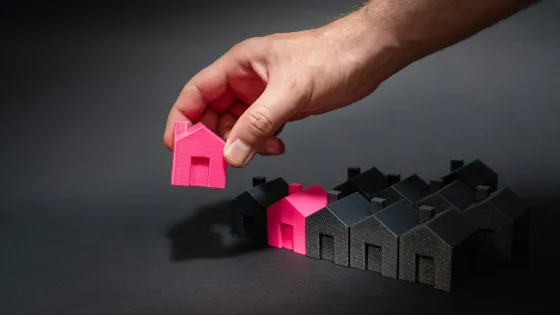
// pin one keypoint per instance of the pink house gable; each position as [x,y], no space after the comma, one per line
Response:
[198,158]
[286,218]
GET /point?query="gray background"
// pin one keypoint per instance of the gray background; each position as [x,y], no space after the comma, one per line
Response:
[89,223]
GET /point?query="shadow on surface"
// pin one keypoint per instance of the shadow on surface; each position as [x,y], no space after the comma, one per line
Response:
[206,234]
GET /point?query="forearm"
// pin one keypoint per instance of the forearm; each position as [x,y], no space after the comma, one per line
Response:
[425,26]
[390,34]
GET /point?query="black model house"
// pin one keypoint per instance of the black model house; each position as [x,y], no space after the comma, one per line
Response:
[374,240]
[456,195]
[436,252]
[248,210]
[411,189]
[473,174]
[502,222]
[368,183]
[327,230]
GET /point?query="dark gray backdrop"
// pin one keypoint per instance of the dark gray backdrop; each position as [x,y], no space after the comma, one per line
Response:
[89,223]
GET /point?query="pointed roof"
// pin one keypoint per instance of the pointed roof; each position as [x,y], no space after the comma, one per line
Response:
[507,202]
[451,227]
[182,131]
[412,188]
[398,217]
[308,200]
[269,192]
[350,209]
[474,174]
[367,183]
[458,194]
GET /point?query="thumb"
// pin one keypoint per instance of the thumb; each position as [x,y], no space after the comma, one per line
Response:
[258,123]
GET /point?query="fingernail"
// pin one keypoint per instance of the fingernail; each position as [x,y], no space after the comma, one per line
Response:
[271,147]
[238,152]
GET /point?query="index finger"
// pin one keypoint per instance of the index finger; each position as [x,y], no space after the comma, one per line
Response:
[203,88]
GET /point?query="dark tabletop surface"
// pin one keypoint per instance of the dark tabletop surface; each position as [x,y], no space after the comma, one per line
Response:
[89,223]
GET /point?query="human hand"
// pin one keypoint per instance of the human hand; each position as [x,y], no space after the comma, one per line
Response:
[262,83]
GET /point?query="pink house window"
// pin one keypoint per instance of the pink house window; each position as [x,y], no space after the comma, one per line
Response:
[200,169]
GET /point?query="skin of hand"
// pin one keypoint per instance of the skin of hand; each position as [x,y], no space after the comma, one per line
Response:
[248,94]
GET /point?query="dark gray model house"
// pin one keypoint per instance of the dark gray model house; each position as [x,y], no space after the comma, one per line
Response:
[436,252]
[410,189]
[374,241]
[327,230]
[368,183]
[248,210]
[502,223]
[473,174]
[456,195]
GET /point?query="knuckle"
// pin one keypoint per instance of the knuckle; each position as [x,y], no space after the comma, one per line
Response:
[259,121]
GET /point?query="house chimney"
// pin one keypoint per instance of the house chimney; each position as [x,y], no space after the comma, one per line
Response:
[332,196]
[426,213]
[180,127]
[257,180]
[393,179]
[294,188]
[482,192]
[377,204]
[353,171]
[456,164]
[436,185]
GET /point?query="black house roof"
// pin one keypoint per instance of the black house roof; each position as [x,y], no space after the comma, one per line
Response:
[367,183]
[474,174]
[398,217]
[412,188]
[451,227]
[507,202]
[269,192]
[351,209]
[458,194]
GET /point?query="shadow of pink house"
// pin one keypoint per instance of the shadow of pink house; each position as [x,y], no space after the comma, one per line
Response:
[198,158]
[286,218]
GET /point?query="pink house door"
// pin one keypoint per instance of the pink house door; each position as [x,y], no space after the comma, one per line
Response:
[287,234]
[200,169]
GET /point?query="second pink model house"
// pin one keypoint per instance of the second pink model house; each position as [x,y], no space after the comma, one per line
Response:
[198,158]
[286,218]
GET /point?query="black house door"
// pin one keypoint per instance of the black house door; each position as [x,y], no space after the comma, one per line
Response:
[326,247]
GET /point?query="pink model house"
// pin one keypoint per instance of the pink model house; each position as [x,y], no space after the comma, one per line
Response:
[198,158]
[286,218]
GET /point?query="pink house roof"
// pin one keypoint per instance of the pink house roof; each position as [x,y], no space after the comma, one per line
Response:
[309,200]
[181,131]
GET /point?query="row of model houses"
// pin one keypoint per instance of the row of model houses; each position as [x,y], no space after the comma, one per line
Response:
[405,229]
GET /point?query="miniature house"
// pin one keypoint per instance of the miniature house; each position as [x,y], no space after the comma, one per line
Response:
[368,183]
[374,241]
[502,223]
[435,252]
[473,174]
[411,189]
[286,218]
[249,209]
[456,195]
[198,157]
[327,230]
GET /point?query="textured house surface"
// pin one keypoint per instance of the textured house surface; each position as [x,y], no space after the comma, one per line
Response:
[327,230]
[368,183]
[411,189]
[248,210]
[436,252]
[456,195]
[473,174]
[502,221]
[286,218]
[374,240]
